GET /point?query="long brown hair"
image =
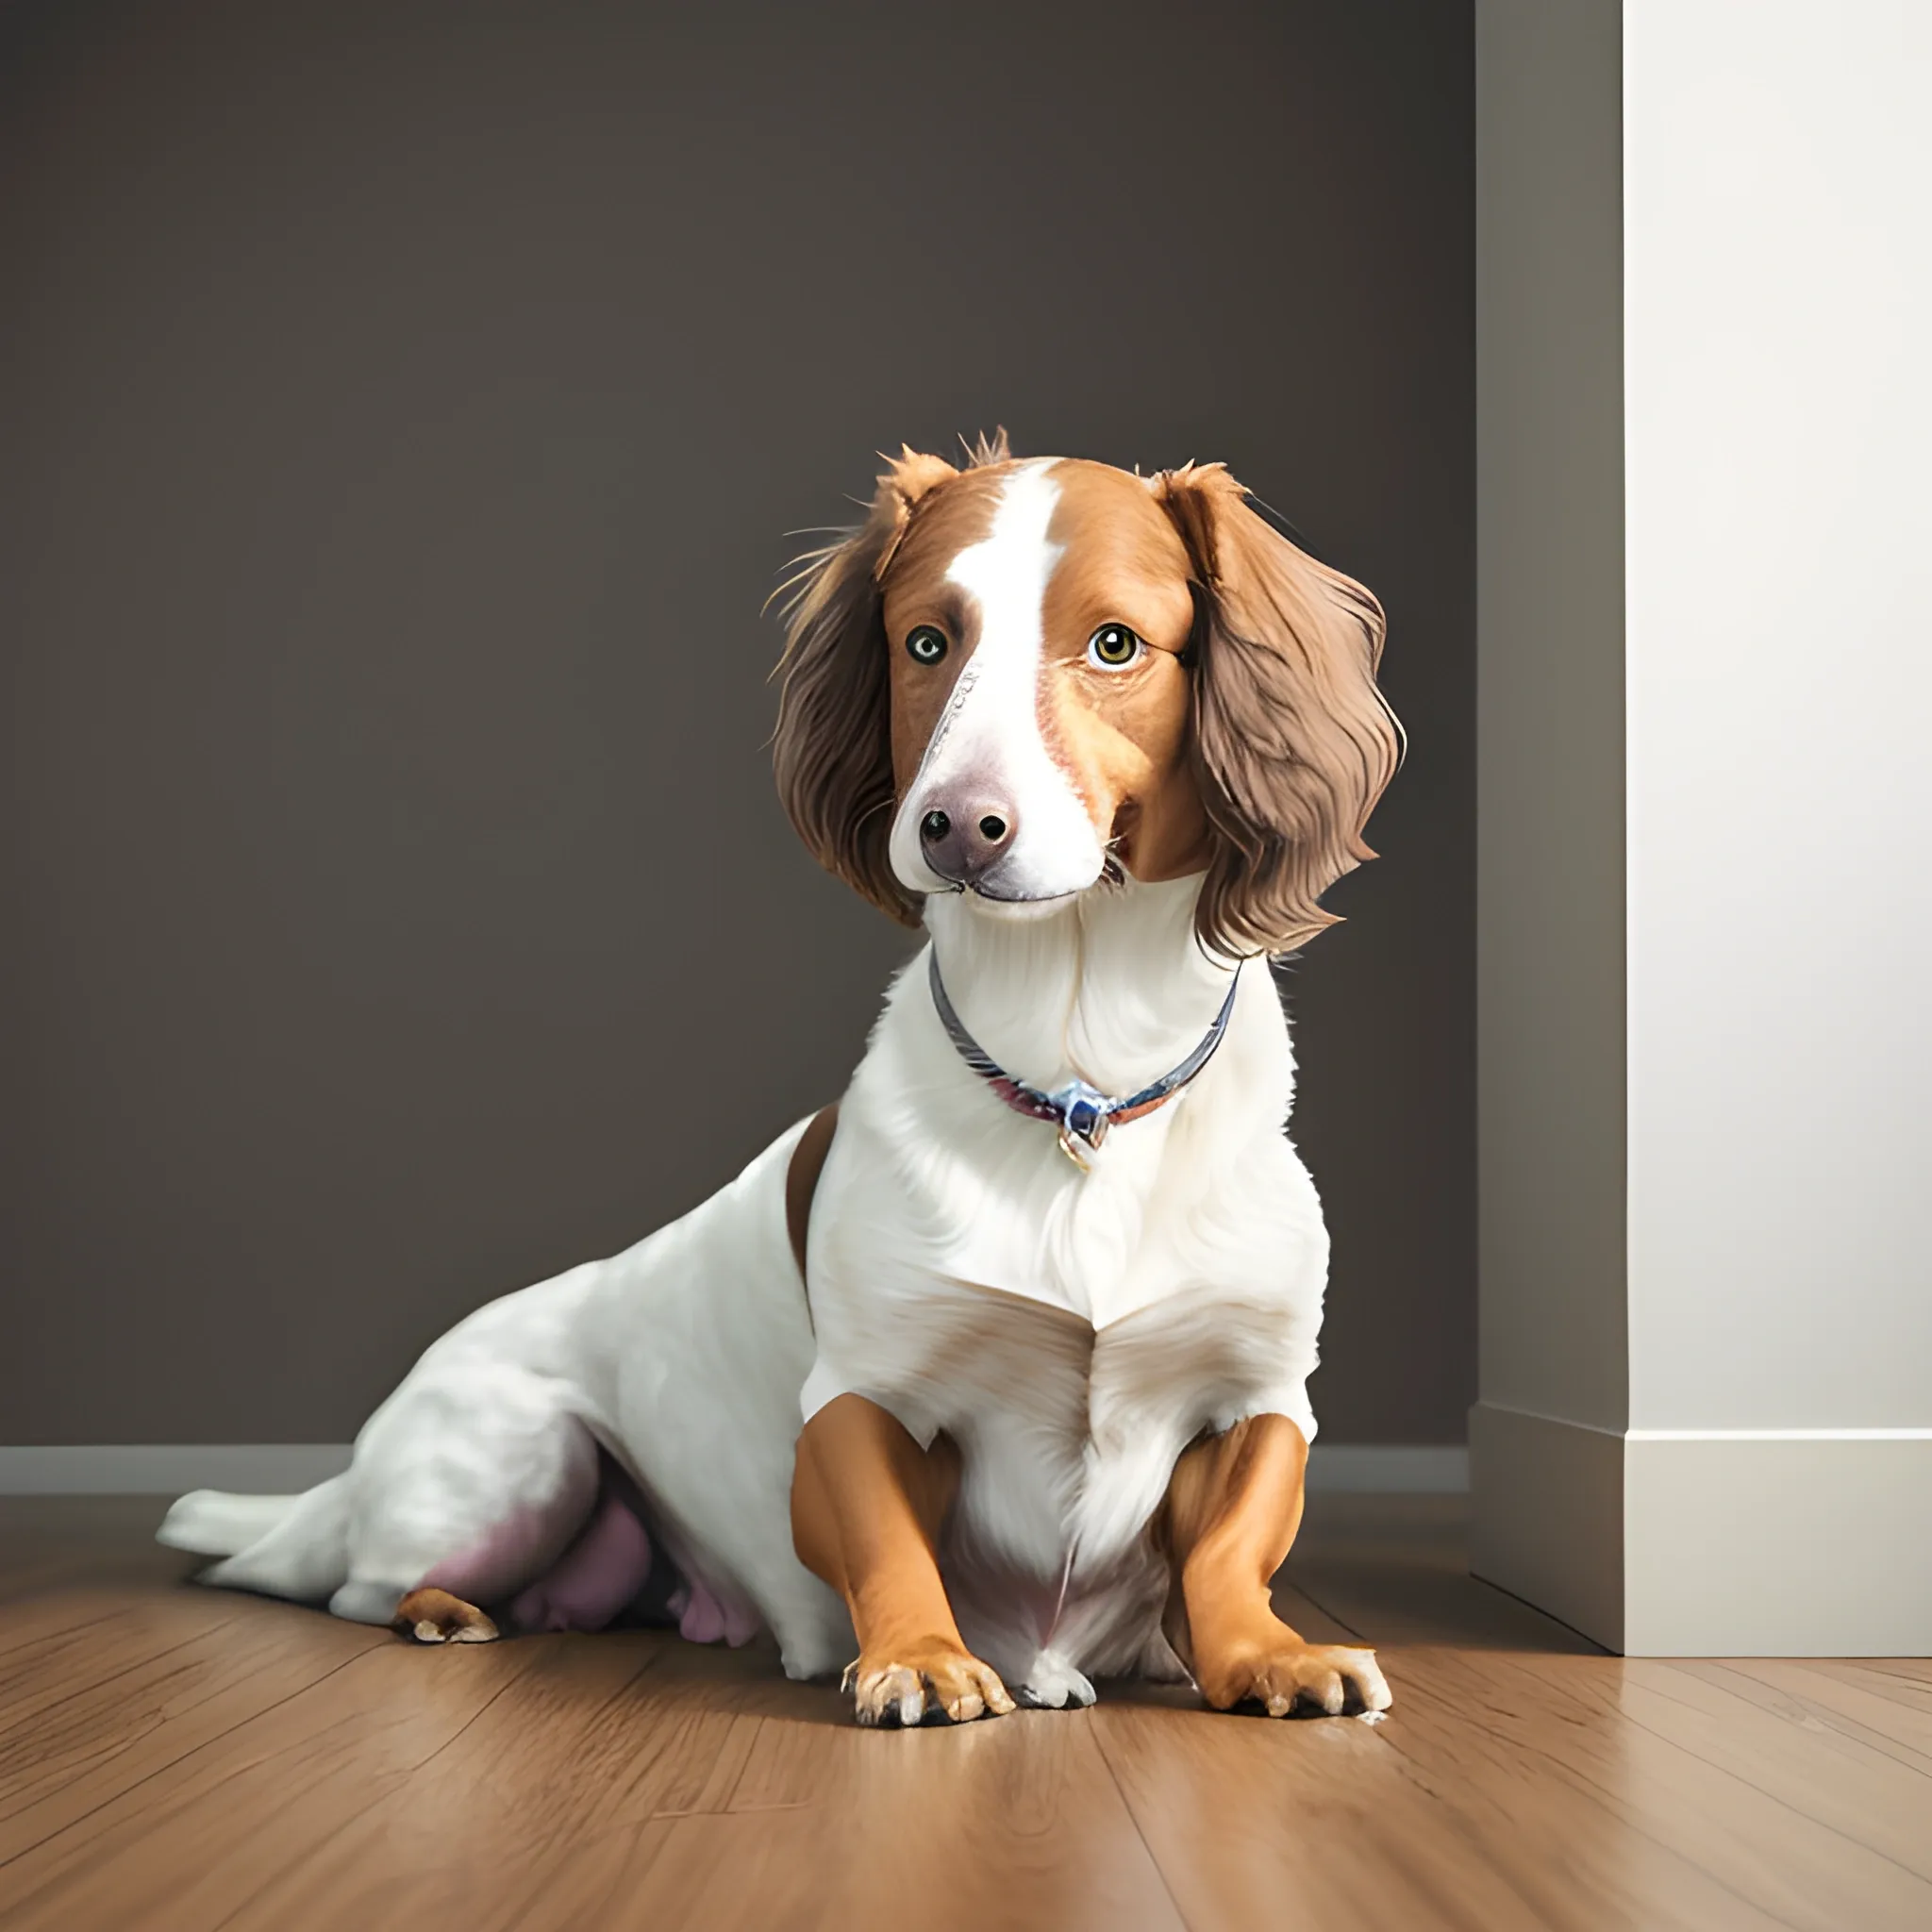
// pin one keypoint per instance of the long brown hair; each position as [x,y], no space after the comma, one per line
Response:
[832,753]
[1292,743]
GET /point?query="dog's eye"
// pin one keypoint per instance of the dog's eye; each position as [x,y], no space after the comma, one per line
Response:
[1113,647]
[925,646]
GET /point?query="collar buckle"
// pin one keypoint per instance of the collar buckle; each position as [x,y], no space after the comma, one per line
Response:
[1085,1115]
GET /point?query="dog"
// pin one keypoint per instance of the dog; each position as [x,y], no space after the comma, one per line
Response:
[991,1378]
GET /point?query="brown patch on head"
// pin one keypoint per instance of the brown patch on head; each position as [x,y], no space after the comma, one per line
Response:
[1122,736]
[832,753]
[916,593]
[1292,743]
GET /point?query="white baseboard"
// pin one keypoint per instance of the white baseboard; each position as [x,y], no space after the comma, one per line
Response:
[1709,1543]
[167,1469]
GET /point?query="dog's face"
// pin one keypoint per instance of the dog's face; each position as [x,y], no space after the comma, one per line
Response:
[1021,678]
[1036,619]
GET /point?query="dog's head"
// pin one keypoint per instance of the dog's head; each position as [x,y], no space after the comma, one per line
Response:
[1019,677]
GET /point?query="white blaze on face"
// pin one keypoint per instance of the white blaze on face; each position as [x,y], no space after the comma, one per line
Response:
[987,749]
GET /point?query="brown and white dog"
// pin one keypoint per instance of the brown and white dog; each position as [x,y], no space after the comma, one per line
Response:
[917,1385]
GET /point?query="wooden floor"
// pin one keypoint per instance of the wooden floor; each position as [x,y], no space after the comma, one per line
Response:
[183,1758]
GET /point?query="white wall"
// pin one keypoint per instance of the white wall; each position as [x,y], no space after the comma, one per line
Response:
[1778,346]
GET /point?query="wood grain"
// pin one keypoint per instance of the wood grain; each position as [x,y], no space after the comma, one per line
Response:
[1632,1790]
[178,1758]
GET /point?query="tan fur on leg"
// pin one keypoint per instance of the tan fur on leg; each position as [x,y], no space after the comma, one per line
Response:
[434,1616]
[1233,1505]
[867,1503]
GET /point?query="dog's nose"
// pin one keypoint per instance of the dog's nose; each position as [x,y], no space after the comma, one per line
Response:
[963,838]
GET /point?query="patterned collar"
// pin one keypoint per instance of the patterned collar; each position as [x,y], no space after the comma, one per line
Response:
[1083,1112]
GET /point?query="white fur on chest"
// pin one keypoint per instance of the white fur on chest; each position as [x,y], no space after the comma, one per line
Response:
[1072,1332]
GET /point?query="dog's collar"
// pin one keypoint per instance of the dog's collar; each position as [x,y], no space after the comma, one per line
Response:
[1083,1113]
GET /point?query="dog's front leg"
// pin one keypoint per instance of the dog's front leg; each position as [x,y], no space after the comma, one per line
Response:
[1233,1505]
[866,1505]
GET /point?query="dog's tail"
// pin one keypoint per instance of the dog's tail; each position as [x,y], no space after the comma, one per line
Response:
[293,1546]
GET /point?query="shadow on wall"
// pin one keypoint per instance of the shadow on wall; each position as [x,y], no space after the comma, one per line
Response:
[405,426]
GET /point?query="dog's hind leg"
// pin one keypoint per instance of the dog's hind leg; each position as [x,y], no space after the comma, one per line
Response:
[434,1616]
[469,1482]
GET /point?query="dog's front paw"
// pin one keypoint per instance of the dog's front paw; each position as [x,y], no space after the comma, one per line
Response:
[1053,1683]
[900,1684]
[1282,1675]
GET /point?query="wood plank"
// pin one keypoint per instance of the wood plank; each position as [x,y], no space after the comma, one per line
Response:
[131,1696]
[1251,1819]
[169,1756]
[209,1828]
[1243,1811]
[468,1827]
[1663,1807]
[1016,1823]
[1607,1768]
[1801,1751]
[1914,1670]
[1869,1697]
[708,1790]
[59,1613]
[67,1652]
[557,1796]
[1259,1811]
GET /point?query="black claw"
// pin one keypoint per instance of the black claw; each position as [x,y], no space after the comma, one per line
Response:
[935,1713]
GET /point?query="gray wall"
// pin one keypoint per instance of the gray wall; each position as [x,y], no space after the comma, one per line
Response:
[1548,1508]
[1550,482]
[401,412]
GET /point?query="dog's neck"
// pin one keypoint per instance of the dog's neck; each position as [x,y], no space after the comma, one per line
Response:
[1113,986]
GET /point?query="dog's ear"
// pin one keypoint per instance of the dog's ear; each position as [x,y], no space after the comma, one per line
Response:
[833,749]
[1292,743]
